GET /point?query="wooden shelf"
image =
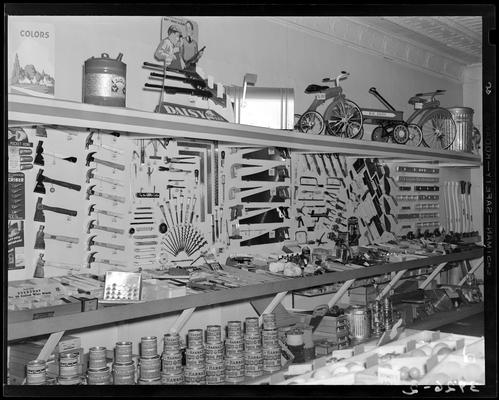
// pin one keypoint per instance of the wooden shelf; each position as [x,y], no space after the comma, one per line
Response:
[111,315]
[443,318]
[35,110]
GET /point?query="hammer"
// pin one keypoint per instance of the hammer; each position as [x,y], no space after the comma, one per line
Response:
[41,179]
[91,258]
[40,208]
[92,192]
[39,157]
[91,158]
[89,141]
[91,242]
[92,175]
[92,209]
[91,225]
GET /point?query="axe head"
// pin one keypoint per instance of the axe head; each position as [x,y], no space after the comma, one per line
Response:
[39,159]
[39,215]
[90,242]
[90,174]
[90,158]
[89,140]
[39,187]
[40,239]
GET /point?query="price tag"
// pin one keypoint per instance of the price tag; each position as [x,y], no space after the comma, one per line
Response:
[320,96]
[418,106]
[272,235]
[273,191]
[272,172]
[271,151]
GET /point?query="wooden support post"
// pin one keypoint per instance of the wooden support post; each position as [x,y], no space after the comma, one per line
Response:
[432,276]
[392,283]
[182,320]
[272,305]
[339,294]
[50,345]
[472,270]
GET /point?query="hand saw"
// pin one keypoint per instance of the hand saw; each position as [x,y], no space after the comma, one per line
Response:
[278,195]
[274,174]
[274,236]
[269,153]
[267,217]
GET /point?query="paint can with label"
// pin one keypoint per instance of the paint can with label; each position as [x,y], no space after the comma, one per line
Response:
[104,81]
[68,365]
[123,352]
[97,358]
[36,372]
[149,347]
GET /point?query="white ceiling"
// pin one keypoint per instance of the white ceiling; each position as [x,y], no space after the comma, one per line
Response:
[457,37]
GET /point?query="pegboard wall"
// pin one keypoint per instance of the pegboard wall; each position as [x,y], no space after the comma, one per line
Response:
[92,201]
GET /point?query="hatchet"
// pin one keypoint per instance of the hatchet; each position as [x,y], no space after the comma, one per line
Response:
[92,192]
[91,242]
[41,236]
[91,225]
[40,208]
[91,158]
[39,160]
[41,179]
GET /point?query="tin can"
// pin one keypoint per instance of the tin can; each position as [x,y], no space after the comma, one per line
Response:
[194,376]
[171,341]
[97,358]
[252,342]
[149,347]
[271,352]
[251,324]
[150,381]
[213,333]
[359,323]
[100,376]
[195,335]
[171,361]
[234,363]
[234,379]
[252,357]
[172,379]
[104,81]
[71,380]
[150,368]
[36,372]
[215,380]
[194,355]
[234,329]
[269,321]
[123,352]
[215,368]
[124,374]
[68,365]
[253,374]
[214,346]
[463,118]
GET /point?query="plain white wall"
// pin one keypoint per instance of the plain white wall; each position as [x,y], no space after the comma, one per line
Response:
[280,56]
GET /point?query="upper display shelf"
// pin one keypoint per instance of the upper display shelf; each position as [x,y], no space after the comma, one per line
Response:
[34,110]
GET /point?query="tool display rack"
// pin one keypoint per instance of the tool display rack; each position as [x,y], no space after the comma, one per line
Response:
[24,110]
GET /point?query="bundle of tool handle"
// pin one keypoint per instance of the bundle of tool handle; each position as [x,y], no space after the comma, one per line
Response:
[181,233]
[458,208]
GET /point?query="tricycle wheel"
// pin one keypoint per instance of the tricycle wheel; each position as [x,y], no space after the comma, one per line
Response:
[380,134]
[311,122]
[400,134]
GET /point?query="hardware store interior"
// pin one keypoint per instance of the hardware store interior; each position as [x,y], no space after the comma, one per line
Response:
[245,201]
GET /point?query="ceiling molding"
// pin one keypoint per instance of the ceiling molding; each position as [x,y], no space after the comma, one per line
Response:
[368,39]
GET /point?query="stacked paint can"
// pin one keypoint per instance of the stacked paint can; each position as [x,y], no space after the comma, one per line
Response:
[234,353]
[98,373]
[253,355]
[68,370]
[149,362]
[195,372]
[36,372]
[123,365]
[171,359]
[214,349]
[270,344]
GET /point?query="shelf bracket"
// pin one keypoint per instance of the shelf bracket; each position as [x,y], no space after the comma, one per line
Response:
[432,276]
[182,320]
[472,270]
[272,305]
[339,294]
[392,283]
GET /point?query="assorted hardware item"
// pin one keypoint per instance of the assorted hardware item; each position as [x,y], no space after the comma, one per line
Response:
[457,202]
[122,286]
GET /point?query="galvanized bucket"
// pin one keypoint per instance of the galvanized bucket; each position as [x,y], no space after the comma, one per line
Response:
[463,117]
